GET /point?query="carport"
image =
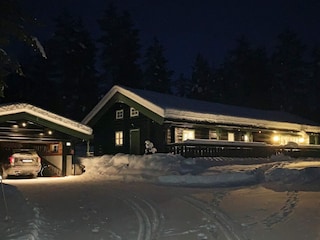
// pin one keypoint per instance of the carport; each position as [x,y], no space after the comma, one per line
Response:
[54,137]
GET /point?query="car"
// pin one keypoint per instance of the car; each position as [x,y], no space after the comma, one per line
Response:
[20,162]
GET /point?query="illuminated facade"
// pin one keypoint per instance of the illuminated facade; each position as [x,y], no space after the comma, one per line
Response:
[52,136]
[125,118]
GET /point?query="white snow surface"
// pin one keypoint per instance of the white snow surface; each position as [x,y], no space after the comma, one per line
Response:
[173,107]
[143,207]
[7,109]
[170,169]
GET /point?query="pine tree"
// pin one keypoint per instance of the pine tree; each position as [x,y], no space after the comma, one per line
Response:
[289,81]
[120,48]
[236,71]
[313,88]
[201,80]
[157,76]
[14,30]
[245,75]
[71,59]
[182,86]
[30,86]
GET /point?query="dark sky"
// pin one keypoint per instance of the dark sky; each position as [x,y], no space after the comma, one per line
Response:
[186,27]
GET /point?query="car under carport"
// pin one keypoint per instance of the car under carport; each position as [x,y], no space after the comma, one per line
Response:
[54,137]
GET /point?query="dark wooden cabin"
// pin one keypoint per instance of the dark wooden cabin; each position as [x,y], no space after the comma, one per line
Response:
[125,118]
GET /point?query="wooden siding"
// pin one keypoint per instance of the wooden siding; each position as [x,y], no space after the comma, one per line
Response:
[104,139]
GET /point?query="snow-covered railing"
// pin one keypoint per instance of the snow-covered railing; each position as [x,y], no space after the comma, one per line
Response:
[216,148]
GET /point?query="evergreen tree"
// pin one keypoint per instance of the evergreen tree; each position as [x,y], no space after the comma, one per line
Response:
[245,75]
[157,76]
[313,88]
[289,81]
[201,79]
[71,59]
[30,86]
[120,48]
[236,71]
[182,86]
[13,30]
[257,87]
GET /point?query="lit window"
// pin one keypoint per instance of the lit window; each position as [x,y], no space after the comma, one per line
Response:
[213,134]
[119,114]
[54,148]
[187,134]
[246,138]
[134,112]
[119,138]
[231,137]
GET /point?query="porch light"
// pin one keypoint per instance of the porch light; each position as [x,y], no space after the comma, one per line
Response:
[50,132]
[68,144]
[276,138]
[301,140]
[24,124]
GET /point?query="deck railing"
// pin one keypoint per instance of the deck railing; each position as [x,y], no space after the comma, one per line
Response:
[215,148]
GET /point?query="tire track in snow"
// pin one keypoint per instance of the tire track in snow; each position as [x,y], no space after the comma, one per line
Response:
[224,225]
[149,219]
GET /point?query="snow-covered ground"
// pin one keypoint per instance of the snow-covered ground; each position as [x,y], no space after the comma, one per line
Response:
[176,170]
[164,196]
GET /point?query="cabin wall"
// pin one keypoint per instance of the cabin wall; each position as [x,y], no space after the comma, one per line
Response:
[175,134]
[135,130]
[146,129]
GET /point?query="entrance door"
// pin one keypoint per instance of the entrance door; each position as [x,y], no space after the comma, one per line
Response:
[135,141]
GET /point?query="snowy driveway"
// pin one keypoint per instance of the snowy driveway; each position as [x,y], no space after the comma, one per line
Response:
[73,208]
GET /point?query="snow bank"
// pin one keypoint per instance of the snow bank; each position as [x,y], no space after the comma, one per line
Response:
[163,169]
[121,166]
[216,180]
[176,170]
[294,172]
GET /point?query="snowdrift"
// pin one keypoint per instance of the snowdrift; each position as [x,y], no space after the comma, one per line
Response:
[176,170]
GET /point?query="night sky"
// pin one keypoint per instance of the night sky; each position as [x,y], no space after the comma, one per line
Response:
[186,27]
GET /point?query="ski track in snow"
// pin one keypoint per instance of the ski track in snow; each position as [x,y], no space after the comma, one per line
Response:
[34,228]
[149,218]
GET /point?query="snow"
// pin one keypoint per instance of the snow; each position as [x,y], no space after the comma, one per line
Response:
[128,197]
[8,109]
[169,169]
[40,47]
[172,107]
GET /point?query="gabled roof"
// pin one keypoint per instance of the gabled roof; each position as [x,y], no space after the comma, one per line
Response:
[165,106]
[36,115]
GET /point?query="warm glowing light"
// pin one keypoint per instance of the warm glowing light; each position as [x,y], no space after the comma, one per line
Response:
[187,134]
[301,140]
[68,144]
[276,138]
[50,132]
[41,134]
[246,138]
[15,126]
[23,124]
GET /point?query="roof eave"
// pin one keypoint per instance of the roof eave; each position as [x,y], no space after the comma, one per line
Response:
[119,94]
[216,118]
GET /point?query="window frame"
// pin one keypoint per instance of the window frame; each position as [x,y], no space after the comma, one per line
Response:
[118,138]
[119,114]
[134,112]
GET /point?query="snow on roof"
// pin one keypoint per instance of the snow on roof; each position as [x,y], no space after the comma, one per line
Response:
[173,107]
[41,113]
